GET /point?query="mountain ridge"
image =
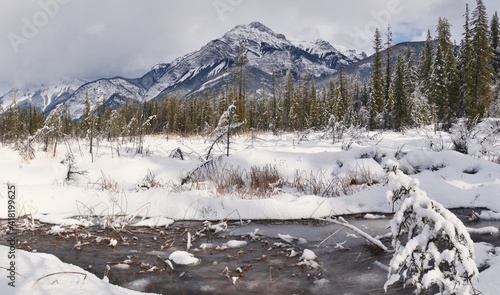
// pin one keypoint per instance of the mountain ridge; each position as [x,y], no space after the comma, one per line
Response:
[207,69]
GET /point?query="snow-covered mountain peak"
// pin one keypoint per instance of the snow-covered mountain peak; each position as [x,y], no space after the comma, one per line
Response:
[207,69]
[255,34]
[259,26]
[42,96]
[318,47]
[351,53]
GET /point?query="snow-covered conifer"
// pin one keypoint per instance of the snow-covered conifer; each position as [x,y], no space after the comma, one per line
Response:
[438,249]
[377,94]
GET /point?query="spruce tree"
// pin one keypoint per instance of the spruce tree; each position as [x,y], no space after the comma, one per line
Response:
[445,90]
[342,113]
[289,94]
[377,94]
[411,75]
[241,61]
[482,69]
[417,111]
[388,98]
[466,69]
[495,44]
[426,65]
[400,109]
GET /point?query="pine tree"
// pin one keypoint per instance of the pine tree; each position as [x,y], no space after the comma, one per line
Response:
[377,94]
[482,69]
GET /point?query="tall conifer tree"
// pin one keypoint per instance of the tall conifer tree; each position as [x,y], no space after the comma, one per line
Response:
[495,44]
[445,91]
[400,109]
[482,69]
[465,65]
[388,95]
[377,95]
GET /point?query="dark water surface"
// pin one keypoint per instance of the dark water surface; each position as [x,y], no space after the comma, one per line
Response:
[346,263]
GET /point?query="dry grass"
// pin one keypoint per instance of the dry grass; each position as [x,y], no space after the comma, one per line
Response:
[264,182]
[260,182]
[319,184]
[105,184]
[149,181]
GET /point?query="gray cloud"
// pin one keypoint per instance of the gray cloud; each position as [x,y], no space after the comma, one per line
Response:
[46,40]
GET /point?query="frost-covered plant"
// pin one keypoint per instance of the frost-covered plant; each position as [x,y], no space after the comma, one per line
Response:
[435,143]
[149,181]
[477,139]
[438,249]
[228,122]
[462,133]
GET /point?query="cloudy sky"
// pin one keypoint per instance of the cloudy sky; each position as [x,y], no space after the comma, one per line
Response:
[47,40]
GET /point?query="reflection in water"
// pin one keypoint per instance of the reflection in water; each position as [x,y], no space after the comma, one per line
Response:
[268,263]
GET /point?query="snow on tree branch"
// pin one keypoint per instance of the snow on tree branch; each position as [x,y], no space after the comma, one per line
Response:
[228,121]
[438,250]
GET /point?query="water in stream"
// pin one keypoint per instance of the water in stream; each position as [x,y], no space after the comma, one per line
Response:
[346,264]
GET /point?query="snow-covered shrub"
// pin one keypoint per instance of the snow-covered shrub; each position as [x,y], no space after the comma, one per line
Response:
[149,181]
[177,154]
[334,130]
[462,133]
[355,135]
[477,139]
[438,249]
[364,171]
[435,142]
[73,174]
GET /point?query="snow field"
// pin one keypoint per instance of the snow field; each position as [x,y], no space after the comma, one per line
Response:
[450,178]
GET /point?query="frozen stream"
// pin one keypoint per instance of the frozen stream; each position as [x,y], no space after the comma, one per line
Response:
[346,264]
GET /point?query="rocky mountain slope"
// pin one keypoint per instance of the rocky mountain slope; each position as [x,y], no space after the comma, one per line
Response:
[208,69]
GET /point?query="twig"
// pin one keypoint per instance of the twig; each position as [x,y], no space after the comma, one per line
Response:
[318,207]
[185,212]
[60,273]
[330,236]
[377,243]
[9,270]
[238,212]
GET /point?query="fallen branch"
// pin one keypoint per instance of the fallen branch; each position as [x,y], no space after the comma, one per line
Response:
[375,242]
